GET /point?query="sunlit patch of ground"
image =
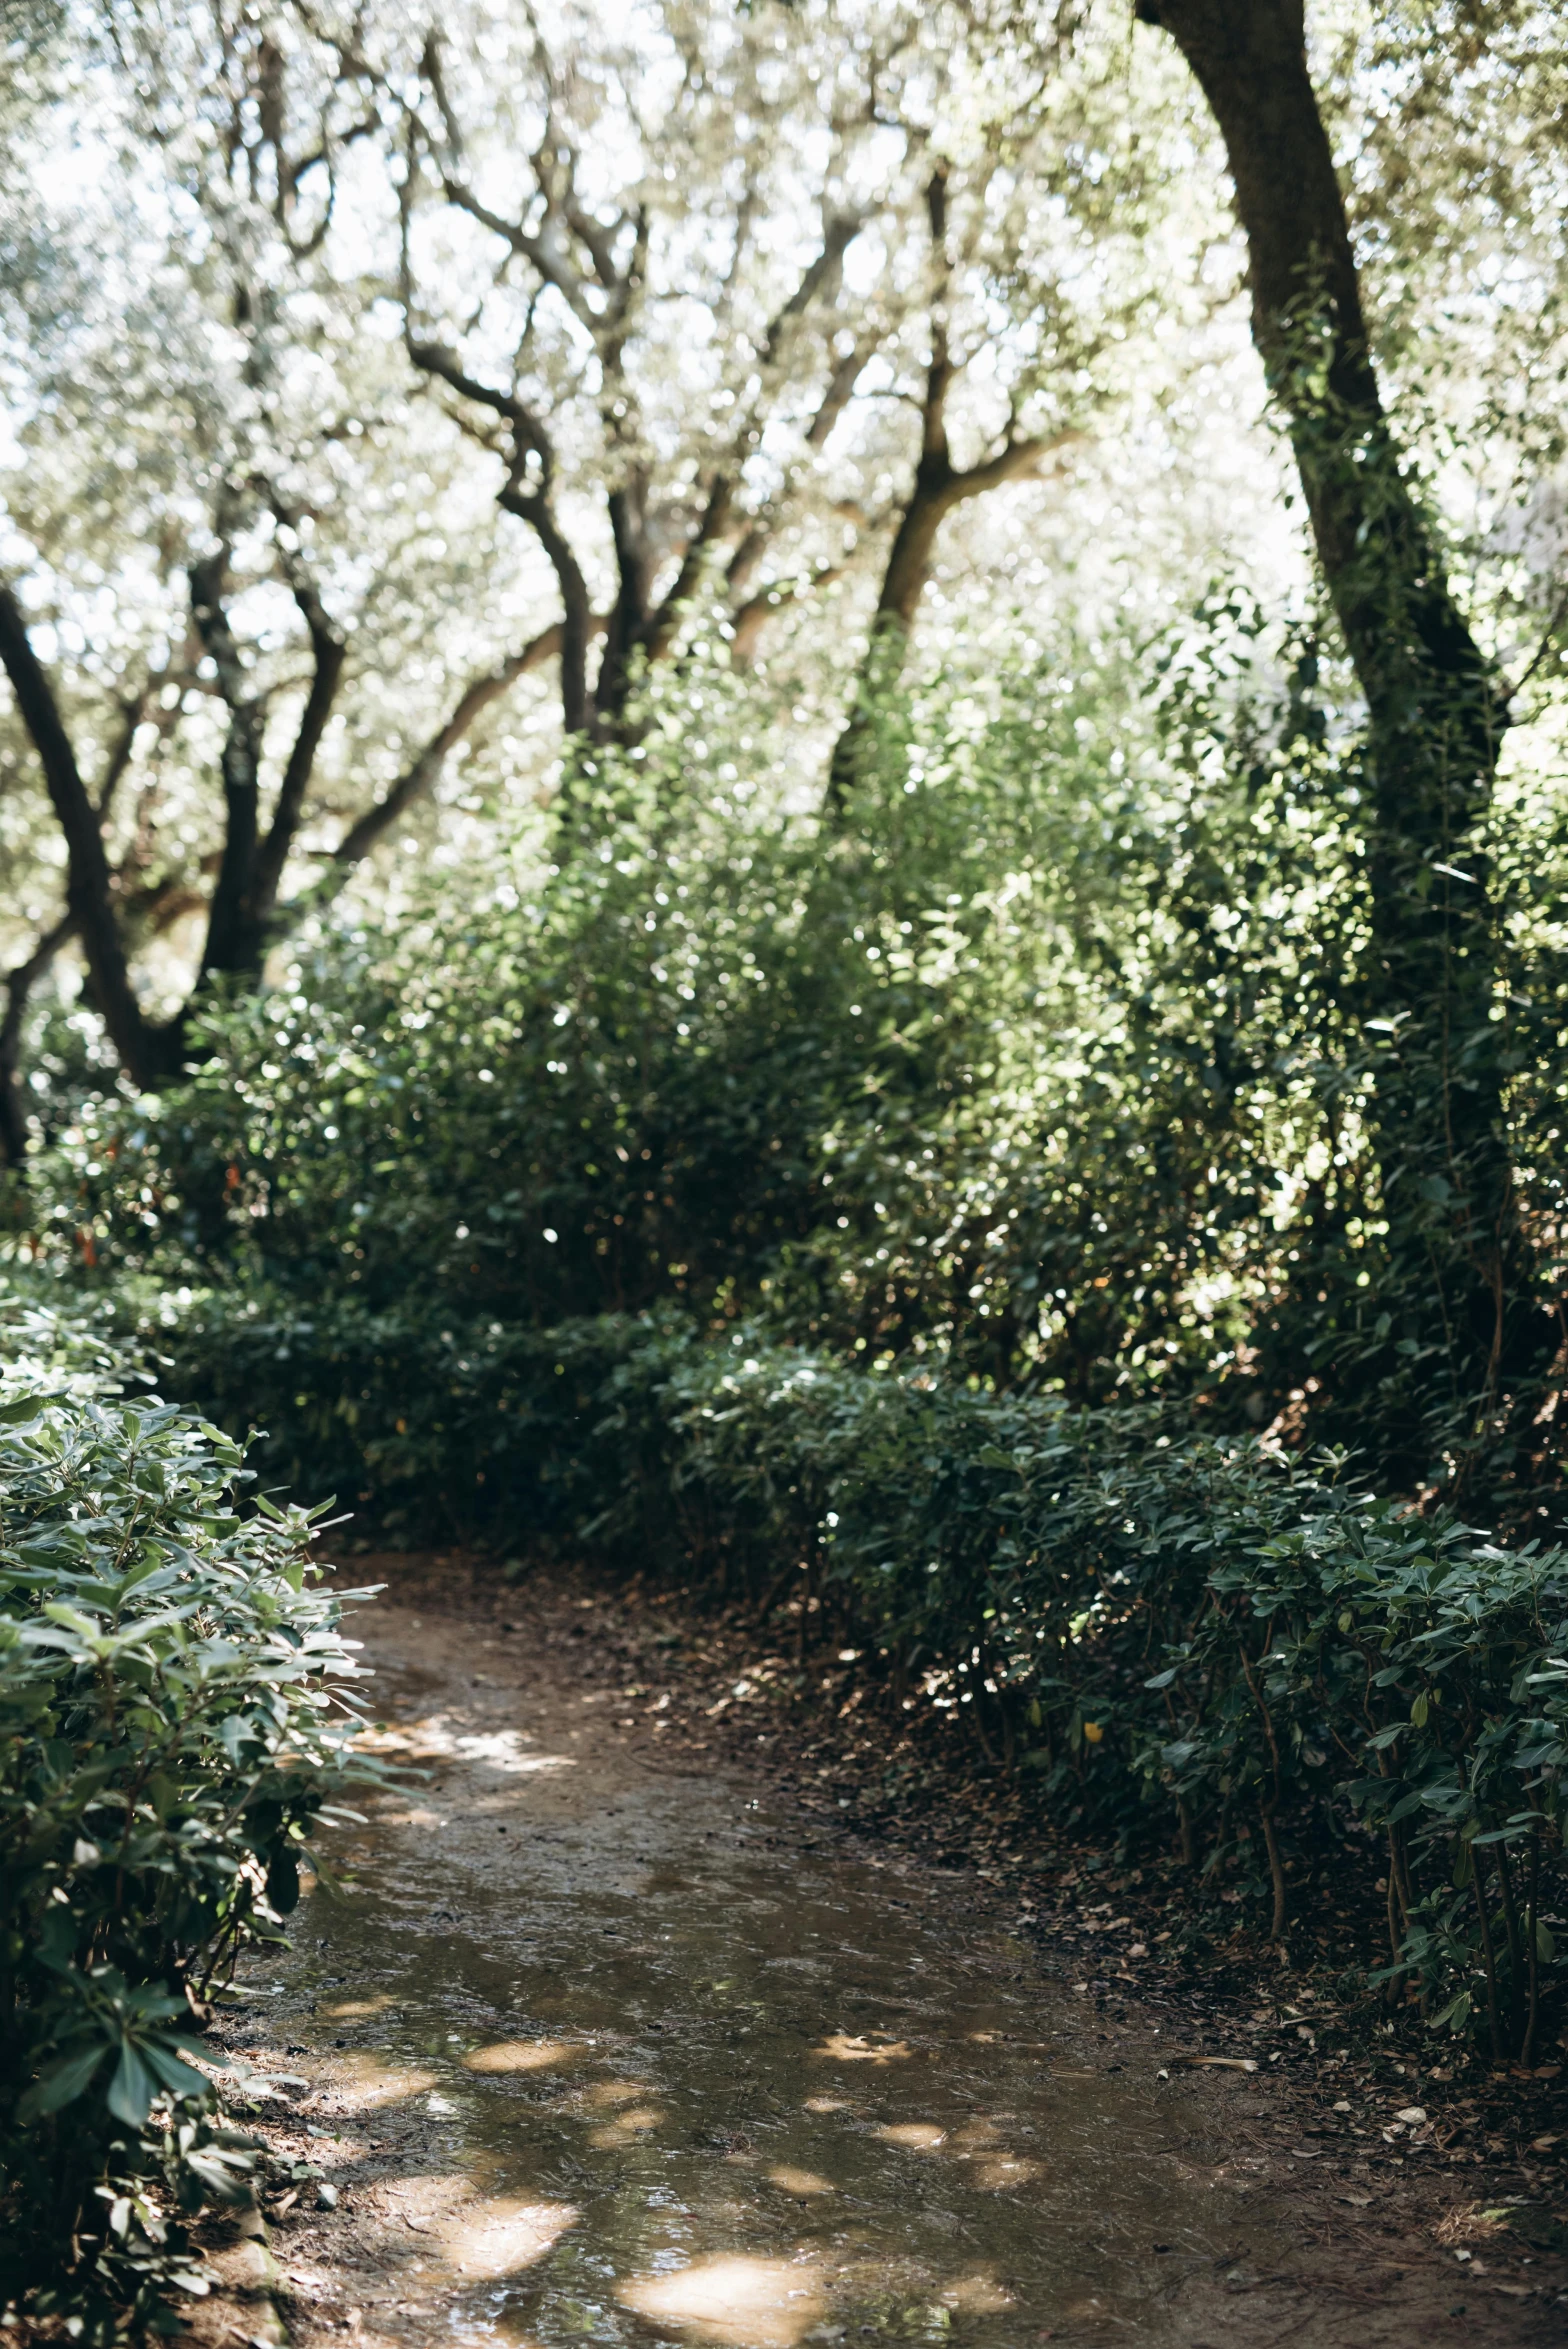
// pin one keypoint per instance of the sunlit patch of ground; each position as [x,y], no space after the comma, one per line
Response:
[975,2295]
[734,2302]
[433,1740]
[840,2048]
[1005,2170]
[793,2181]
[482,2238]
[503,2237]
[626,2118]
[522,2055]
[365,2082]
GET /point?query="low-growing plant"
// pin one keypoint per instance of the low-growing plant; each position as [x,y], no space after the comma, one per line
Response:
[1179,1636]
[176,1716]
[1185,1635]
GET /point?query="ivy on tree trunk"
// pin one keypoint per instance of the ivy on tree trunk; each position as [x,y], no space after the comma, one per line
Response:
[1436,708]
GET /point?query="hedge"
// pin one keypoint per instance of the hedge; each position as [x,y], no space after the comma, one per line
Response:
[1181,1637]
[176,1715]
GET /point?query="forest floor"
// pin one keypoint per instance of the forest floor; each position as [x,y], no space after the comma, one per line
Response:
[650,2018]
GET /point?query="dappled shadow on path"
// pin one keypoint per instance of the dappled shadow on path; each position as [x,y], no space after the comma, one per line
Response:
[598,2054]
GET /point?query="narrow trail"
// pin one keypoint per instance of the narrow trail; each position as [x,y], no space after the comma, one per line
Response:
[600,2051]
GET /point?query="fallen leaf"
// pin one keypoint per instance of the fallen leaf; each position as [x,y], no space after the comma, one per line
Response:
[1216,2063]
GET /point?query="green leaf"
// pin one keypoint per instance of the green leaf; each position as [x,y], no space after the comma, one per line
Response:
[132,2089]
[174,2074]
[62,2084]
[27,1408]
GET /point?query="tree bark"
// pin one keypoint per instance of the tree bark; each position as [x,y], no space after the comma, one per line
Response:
[329,652]
[939,487]
[148,1052]
[419,777]
[18,986]
[1436,709]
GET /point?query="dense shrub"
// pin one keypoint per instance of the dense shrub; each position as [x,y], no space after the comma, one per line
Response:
[174,1720]
[1182,1638]
[942,1083]
[55,1340]
[1185,1637]
[1061,1064]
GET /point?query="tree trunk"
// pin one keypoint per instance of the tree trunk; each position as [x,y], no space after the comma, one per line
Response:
[148,1052]
[18,986]
[1436,710]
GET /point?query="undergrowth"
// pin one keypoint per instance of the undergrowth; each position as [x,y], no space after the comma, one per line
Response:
[176,1717]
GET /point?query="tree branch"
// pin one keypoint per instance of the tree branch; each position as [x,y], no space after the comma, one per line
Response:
[421,776]
[329,650]
[748,619]
[939,487]
[147,1052]
[578,625]
[661,629]
[231,943]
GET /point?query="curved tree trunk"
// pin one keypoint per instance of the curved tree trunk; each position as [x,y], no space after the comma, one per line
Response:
[1436,710]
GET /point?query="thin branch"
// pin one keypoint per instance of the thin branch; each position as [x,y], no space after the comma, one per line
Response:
[329,651]
[748,620]
[1555,619]
[662,628]
[421,776]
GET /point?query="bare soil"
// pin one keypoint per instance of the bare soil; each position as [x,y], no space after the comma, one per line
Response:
[641,2022]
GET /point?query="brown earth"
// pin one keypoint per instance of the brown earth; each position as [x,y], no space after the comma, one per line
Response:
[636,2029]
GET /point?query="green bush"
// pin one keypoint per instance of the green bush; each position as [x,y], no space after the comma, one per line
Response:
[935,1086]
[175,1717]
[1180,1636]
[1184,1636]
[1061,1066]
[57,1340]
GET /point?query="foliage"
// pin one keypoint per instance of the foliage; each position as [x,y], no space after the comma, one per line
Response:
[697,1038]
[980,1199]
[175,1721]
[478,355]
[1069,1076]
[1181,1634]
[58,1342]
[1255,1642]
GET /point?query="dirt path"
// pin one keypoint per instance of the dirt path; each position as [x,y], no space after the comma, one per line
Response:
[610,2046]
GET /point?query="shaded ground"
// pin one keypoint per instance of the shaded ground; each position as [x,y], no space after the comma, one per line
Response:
[619,2040]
